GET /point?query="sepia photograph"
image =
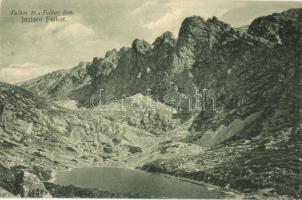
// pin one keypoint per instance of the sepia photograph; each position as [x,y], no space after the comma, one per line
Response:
[151,99]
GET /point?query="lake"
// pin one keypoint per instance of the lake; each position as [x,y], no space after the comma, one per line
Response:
[123,180]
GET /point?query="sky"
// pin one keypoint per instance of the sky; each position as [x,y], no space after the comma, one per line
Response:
[28,50]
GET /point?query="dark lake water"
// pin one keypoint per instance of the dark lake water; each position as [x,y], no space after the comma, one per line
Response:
[123,180]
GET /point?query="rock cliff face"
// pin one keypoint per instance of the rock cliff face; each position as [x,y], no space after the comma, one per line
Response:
[165,67]
[249,77]
[134,70]
[282,28]
[245,72]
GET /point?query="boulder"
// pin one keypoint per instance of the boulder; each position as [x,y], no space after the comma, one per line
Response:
[29,185]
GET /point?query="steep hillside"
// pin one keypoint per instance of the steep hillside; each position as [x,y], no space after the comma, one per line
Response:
[61,84]
[142,112]
[261,167]
[37,132]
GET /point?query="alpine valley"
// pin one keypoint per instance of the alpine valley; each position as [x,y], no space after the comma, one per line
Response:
[248,143]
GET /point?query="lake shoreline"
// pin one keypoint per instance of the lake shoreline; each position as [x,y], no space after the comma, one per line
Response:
[229,192]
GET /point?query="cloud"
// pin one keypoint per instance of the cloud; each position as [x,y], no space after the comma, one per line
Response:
[73,30]
[170,13]
[165,20]
[57,43]
[15,73]
[55,46]
[64,39]
[146,5]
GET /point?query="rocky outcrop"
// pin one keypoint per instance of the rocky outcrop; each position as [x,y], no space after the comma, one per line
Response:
[196,36]
[103,65]
[29,185]
[20,182]
[142,112]
[282,28]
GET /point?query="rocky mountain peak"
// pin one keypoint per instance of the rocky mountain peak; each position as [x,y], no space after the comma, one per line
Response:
[112,53]
[282,28]
[197,37]
[141,46]
[82,64]
[103,65]
[166,38]
[191,26]
[215,21]
[197,27]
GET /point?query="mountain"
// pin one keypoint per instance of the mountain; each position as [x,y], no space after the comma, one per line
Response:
[249,122]
[256,131]
[36,131]
[37,136]
[61,84]
[142,112]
